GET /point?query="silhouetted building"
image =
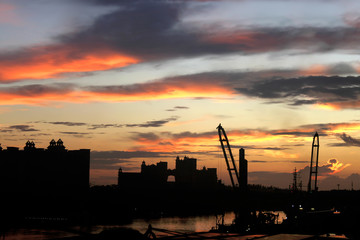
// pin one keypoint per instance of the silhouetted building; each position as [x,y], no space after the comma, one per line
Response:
[185,174]
[185,171]
[129,179]
[38,170]
[150,175]
[155,174]
[243,169]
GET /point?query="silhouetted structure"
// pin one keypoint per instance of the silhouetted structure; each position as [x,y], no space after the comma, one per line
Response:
[243,169]
[38,170]
[150,175]
[314,160]
[185,174]
[231,166]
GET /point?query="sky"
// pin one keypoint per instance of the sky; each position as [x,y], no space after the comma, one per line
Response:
[144,80]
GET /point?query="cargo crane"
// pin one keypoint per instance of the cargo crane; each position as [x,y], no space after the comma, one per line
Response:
[228,154]
[314,160]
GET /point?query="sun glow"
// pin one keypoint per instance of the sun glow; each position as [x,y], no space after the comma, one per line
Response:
[326,106]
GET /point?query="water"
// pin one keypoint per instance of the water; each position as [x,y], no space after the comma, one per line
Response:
[179,224]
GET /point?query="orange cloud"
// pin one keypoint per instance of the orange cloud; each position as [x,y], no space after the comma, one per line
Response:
[165,89]
[50,62]
[251,40]
[339,105]
[327,106]
[335,166]
[280,154]
[344,127]
[315,70]
[331,128]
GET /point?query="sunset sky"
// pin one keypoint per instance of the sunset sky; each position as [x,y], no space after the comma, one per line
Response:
[151,80]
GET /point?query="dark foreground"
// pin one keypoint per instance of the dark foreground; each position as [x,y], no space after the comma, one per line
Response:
[308,215]
[130,234]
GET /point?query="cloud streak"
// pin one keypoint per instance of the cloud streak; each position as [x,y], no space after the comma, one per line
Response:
[327,92]
[154,123]
[23,128]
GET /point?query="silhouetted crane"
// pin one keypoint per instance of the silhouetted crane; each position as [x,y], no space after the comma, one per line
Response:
[227,152]
[314,157]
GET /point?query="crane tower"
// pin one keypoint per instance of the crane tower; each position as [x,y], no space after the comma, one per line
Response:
[314,160]
[231,166]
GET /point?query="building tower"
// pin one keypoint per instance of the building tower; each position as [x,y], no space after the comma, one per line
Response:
[243,169]
[314,160]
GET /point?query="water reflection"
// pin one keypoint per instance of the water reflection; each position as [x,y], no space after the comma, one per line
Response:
[179,224]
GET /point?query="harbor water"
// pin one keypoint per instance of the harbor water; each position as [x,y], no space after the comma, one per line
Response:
[178,224]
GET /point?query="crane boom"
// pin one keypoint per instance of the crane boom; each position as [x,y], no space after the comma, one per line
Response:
[230,165]
[314,160]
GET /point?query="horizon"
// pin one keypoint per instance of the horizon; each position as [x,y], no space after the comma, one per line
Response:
[282,180]
[151,80]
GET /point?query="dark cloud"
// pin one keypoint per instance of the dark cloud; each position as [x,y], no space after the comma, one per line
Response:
[154,30]
[34,90]
[166,85]
[294,90]
[177,108]
[69,124]
[139,28]
[77,134]
[304,133]
[146,136]
[260,148]
[341,69]
[319,89]
[155,123]
[6,130]
[100,161]
[98,155]
[97,126]
[90,126]
[286,88]
[349,141]
[23,128]
[282,161]
[113,159]
[188,134]
[181,107]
